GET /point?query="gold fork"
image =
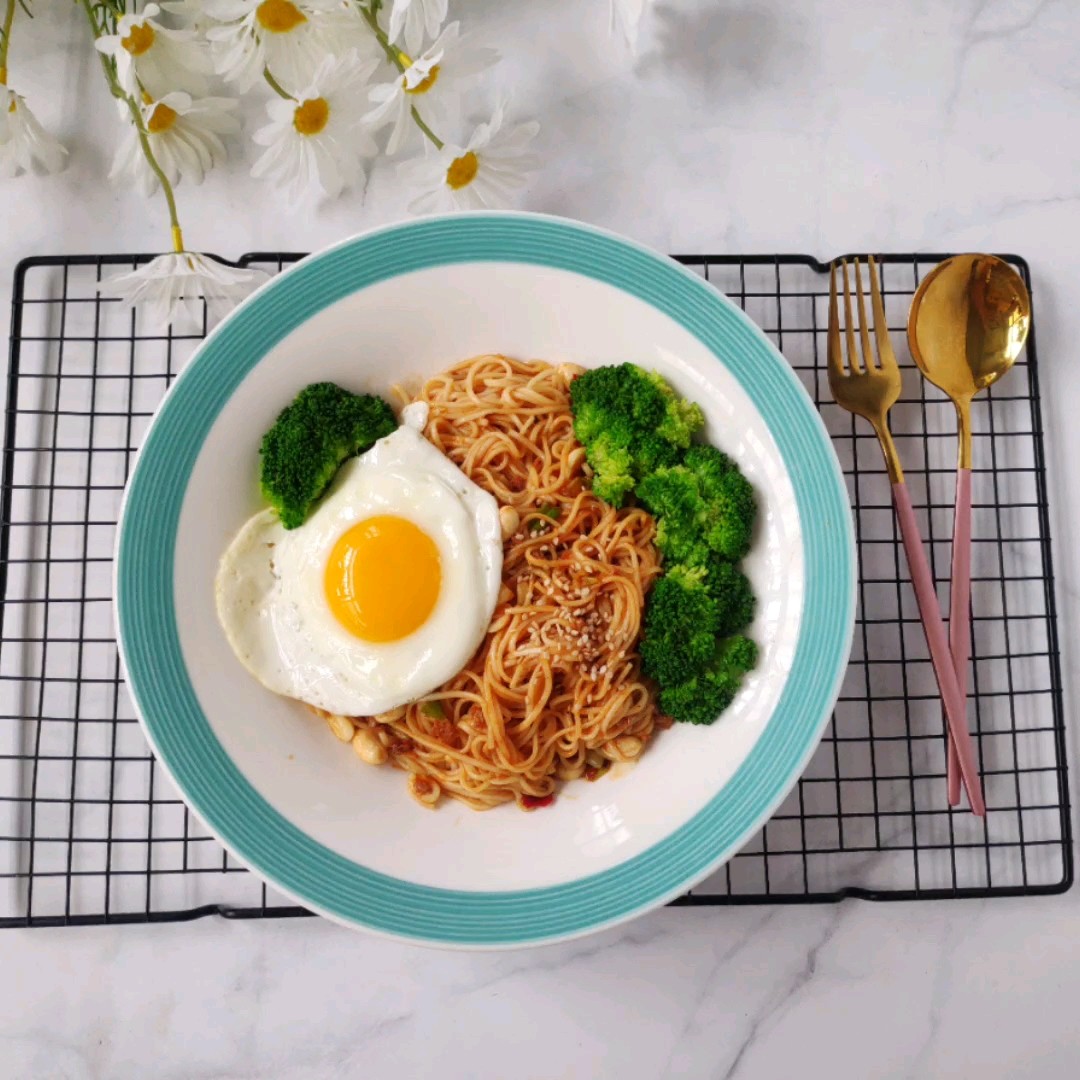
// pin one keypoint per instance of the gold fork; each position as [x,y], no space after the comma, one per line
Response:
[869,387]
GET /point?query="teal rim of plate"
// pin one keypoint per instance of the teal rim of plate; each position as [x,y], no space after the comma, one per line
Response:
[261,836]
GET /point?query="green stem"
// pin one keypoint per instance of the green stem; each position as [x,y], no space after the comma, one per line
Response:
[166,187]
[109,70]
[120,94]
[439,144]
[9,18]
[394,56]
[276,86]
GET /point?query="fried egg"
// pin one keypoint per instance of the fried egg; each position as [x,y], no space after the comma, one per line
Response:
[383,594]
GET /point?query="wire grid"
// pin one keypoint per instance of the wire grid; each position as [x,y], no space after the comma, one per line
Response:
[92,831]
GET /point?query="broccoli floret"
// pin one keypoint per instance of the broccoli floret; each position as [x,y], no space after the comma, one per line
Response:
[681,419]
[699,700]
[612,475]
[593,421]
[652,452]
[673,495]
[626,409]
[702,698]
[707,463]
[704,505]
[681,624]
[689,607]
[322,427]
[728,519]
[682,544]
[733,593]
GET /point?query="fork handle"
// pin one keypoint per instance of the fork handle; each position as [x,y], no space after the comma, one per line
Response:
[936,640]
[960,610]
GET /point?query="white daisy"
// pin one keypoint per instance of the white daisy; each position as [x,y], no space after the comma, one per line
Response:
[428,83]
[170,288]
[319,139]
[185,136]
[154,58]
[288,39]
[626,16]
[25,146]
[482,174]
[414,18]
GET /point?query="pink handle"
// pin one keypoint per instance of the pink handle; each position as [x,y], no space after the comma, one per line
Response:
[960,609]
[934,628]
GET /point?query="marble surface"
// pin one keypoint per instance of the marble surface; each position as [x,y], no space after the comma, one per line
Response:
[757,125]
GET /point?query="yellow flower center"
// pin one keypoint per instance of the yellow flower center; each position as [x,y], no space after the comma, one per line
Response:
[427,84]
[311,116]
[161,119]
[462,171]
[140,39]
[11,107]
[279,16]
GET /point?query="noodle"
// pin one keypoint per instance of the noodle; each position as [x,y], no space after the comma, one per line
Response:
[555,691]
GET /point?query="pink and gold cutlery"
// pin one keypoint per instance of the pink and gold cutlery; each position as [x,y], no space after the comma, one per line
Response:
[868,385]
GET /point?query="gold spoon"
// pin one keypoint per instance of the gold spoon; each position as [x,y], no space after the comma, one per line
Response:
[969,320]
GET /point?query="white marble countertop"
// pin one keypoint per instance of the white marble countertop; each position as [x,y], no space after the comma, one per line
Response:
[744,126]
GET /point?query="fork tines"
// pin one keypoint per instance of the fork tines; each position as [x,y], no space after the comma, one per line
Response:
[885,357]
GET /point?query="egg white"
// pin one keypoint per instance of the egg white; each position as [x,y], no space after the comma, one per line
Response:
[272,603]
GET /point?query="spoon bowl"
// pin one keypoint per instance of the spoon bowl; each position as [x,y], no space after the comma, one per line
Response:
[969,320]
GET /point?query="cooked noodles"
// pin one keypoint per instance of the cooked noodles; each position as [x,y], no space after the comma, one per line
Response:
[555,691]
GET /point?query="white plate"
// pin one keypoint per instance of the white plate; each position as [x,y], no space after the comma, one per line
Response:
[397,306]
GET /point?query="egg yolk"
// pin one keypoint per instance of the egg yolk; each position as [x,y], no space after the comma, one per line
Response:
[383,578]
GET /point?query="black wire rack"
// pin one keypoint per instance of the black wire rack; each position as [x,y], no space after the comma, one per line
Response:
[92,831]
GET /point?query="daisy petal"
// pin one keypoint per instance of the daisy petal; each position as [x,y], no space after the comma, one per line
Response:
[25,146]
[171,287]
